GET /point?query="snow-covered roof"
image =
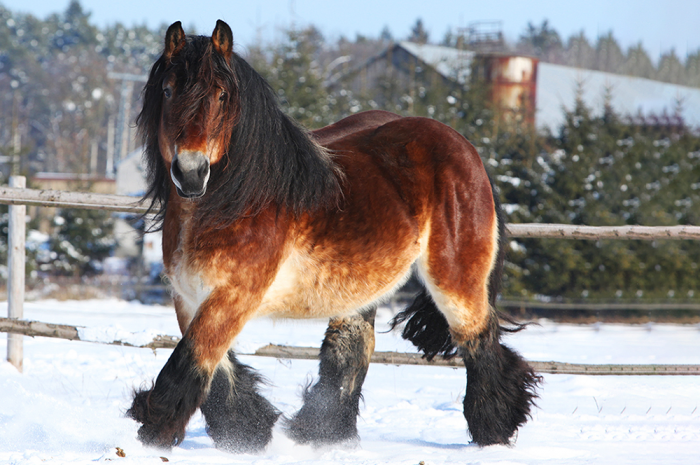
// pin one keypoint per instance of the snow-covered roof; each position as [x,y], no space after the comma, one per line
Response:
[557,86]
[448,61]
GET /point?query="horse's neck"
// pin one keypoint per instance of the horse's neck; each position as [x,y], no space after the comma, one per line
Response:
[176,227]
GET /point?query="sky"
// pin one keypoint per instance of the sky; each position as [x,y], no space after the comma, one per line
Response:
[660,25]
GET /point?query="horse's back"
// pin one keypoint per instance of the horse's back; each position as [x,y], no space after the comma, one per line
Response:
[421,160]
[352,125]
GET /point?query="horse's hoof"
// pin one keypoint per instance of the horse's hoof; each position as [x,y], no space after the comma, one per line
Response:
[150,433]
[151,436]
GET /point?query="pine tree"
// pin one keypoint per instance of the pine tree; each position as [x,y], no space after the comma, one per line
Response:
[671,69]
[418,34]
[81,240]
[609,56]
[579,52]
[692,69]
[638,63]
[543,42]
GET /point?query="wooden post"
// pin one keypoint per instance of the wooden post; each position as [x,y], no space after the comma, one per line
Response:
[15,283]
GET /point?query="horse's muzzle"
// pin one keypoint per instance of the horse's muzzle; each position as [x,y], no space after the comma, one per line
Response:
[190,174]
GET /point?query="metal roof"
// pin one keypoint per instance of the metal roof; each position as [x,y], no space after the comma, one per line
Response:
[557,86]
[630,96]
[448,61]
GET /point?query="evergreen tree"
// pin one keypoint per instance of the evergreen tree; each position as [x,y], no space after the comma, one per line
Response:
[543,42]
[294,70]
[418,34]
[638,63]
[386,35]
[579,52]
[671,69]
[601,170]
[77,29]
[82,239]
[609,56]
[692,69]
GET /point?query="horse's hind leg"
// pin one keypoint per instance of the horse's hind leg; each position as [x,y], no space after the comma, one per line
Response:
[331,406]
[500,387]
[500,383]
[239,419]
[461,268]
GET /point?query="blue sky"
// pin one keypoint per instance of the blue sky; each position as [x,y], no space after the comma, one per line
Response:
[659,24]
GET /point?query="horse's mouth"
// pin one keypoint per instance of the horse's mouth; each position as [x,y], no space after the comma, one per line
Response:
[191,196]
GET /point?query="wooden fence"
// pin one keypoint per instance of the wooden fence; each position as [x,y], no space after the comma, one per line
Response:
[18,197]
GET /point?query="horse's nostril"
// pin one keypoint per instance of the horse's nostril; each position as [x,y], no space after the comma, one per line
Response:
[176,171]
[202,171]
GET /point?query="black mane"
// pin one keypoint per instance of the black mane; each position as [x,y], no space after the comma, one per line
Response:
[270,158]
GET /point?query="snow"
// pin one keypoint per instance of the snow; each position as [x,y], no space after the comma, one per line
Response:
[68,406]
[448,61]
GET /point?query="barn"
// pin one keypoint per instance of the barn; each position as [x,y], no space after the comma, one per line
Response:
[522,83]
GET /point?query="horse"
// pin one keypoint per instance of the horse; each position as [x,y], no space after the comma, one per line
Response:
[261,217]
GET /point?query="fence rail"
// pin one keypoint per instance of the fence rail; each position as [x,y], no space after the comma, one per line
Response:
[37,328]
[15,196]
[63,199]
[123,203]
[602,306]
[569,231]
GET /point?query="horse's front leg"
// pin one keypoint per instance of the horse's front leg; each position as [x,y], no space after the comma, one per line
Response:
[331,406]
[183,383]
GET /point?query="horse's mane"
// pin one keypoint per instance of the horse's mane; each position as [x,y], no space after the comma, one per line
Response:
[270,158]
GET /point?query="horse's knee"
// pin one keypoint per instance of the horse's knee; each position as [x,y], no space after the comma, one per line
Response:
[347,347]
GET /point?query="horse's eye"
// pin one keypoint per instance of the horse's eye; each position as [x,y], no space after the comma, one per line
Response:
[222,96]
[167,92]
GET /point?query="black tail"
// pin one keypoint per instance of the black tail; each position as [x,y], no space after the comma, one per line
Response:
[496,276]
[426,327]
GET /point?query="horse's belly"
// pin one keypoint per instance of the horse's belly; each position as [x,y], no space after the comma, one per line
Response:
[305,288]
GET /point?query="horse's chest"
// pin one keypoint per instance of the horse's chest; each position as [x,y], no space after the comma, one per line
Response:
[188,284]
[185,276]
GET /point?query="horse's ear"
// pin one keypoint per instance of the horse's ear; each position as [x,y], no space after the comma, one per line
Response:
[222,39]
[174,40]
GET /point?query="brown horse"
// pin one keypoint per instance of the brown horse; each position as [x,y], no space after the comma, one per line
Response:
[262,218]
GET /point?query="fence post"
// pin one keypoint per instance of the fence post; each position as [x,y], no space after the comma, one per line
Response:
[15,283]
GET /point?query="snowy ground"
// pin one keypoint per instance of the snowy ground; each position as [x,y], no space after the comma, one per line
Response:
[68,405]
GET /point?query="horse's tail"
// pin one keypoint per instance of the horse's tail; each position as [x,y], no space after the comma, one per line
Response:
[496,276]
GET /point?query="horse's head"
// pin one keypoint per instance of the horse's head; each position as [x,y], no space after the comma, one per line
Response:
[209,118]
[191,96]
